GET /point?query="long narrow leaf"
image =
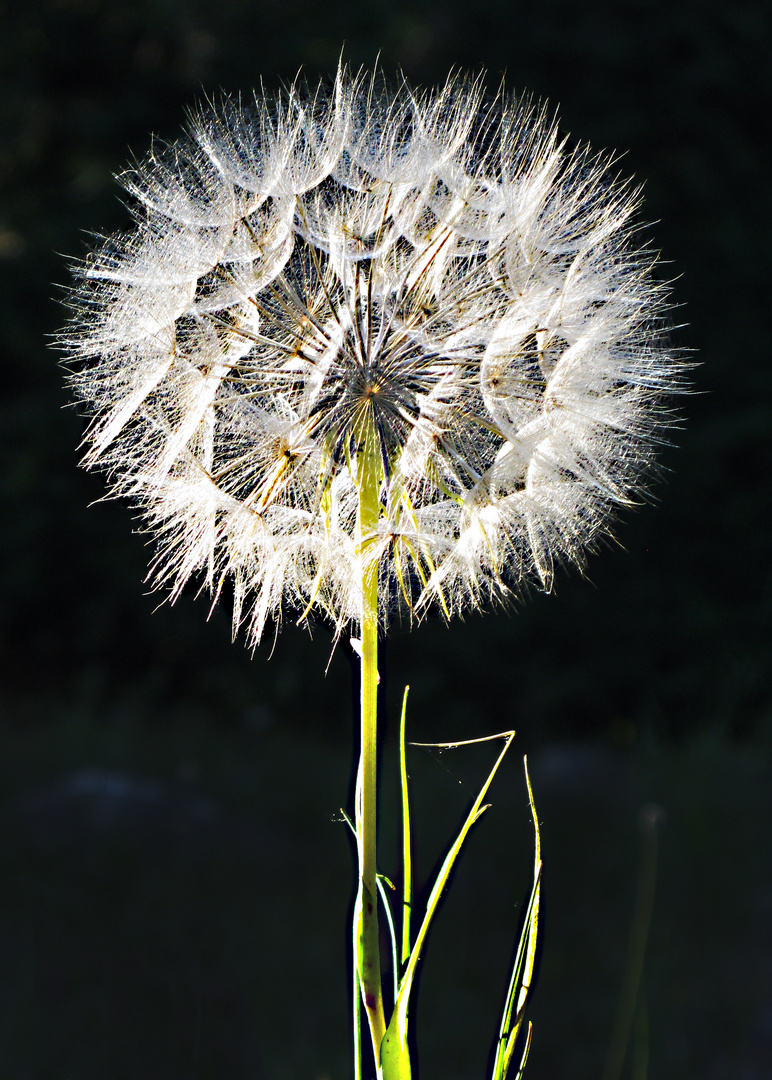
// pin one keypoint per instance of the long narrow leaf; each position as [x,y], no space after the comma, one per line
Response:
[526,1049]
[507,1032]
[394,1056]
[390,922]
[534,919]
[522,970]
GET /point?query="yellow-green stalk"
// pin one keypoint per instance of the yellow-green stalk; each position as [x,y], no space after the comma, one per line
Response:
[366,942]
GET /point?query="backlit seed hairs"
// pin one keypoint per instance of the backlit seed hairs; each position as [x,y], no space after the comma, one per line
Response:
[437,262]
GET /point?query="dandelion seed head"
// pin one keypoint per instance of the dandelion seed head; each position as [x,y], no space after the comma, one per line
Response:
[436,267]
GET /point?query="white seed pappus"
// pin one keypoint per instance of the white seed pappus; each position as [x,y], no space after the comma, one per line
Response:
[438,263]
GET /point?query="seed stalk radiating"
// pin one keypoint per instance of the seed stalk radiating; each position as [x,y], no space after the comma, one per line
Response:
[438,265]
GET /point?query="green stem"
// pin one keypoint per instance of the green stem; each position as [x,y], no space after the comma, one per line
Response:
[407,868]
[366,912]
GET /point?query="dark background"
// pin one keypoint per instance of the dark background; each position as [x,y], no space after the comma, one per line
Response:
[173,882]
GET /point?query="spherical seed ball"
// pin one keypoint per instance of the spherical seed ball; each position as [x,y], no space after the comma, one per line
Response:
[438,264]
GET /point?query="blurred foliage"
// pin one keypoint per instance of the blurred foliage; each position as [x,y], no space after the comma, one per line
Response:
[110,947]
[173,903]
